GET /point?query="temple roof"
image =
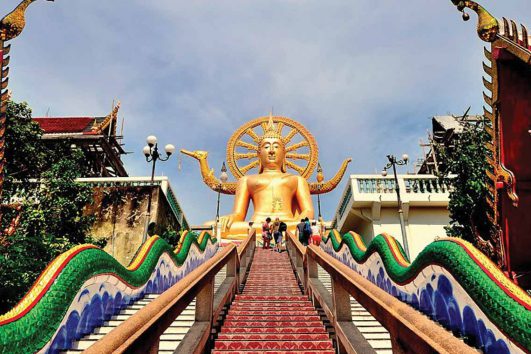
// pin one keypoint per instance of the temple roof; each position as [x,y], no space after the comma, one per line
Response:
[78,125]
[65,125]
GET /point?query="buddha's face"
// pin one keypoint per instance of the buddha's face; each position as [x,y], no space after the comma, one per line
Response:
[272,153]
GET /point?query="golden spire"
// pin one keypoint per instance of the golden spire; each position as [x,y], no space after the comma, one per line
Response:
[320,175]
[271,131]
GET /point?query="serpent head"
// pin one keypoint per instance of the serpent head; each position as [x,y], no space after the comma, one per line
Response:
[198,154]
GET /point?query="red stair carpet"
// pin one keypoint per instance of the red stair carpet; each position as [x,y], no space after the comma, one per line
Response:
[272,315]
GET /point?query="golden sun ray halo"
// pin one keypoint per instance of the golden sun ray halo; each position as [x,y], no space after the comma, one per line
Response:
[301,149]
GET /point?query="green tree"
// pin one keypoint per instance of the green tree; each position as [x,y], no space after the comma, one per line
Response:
[25,155]
[170,235]
[52,214]
[465,156]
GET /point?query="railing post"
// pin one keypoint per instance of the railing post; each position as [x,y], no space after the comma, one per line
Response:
[397,347]
[233,269]
[244,261]
[298,260]
[310,273]
[341,310]
[205,302]
[341,301]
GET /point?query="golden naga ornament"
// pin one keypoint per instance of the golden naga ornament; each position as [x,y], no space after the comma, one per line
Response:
[285,155]
[488,27]
[14,22]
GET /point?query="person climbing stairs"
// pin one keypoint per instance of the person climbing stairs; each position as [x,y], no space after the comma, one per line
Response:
[272,314]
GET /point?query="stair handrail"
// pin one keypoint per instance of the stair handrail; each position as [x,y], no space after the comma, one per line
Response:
[245,254]
[410,330]
[296,252]
[141,332]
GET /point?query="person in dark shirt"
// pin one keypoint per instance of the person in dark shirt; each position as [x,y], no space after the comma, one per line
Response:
[282,228]
[307,230]
[266,233]
[300,233]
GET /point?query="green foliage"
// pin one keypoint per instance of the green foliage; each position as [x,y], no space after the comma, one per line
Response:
[52,214]
[466,158]
[171,236]
[25,156]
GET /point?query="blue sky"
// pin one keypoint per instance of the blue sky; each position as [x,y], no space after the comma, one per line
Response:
[363,76]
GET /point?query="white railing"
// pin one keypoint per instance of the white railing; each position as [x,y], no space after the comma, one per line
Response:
[414,184]
[425,185]
[369,193]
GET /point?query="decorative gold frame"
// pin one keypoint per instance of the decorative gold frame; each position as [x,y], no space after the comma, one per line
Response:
[248,130]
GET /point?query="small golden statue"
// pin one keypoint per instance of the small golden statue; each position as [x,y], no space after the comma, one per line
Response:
[273,191]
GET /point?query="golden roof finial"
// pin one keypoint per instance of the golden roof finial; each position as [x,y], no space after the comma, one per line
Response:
[320,175]
[487,25]
[13,23]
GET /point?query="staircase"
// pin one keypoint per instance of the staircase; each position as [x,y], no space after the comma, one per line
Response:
[376,334]
[169,340]
[271,314]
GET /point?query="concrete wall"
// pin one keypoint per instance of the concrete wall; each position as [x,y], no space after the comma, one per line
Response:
[369,207]
[422,226]
[120,218]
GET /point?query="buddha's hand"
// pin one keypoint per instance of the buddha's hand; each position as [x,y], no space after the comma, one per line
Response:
[227,221]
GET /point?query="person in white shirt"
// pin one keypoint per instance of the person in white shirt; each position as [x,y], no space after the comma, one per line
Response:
[316,233]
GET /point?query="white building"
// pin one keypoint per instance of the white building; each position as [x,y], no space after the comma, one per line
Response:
[369,207]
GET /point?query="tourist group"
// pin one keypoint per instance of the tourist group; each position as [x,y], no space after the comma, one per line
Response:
[307,233]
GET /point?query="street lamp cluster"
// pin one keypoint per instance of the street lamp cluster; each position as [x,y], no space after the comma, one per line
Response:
[151,152]
[393,162]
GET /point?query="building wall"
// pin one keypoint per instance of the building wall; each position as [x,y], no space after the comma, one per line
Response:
[388,223]
[424,225]
[120,218]
[369,207]
[366,230]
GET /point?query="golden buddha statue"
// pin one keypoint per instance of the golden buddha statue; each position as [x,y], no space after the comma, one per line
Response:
[273,191]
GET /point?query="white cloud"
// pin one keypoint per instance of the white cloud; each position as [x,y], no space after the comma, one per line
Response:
[362,76]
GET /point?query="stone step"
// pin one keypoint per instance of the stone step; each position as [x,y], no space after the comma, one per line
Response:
[272,324]
[367,323]
[187,317]
[270,336]
[274,330]
[272,313]
[380,344]
[273,345]
[284,318]
[275,351]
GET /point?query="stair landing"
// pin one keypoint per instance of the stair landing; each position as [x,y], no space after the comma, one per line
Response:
[272,314]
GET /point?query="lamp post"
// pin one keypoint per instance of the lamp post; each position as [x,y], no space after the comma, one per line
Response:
[393,162]
[320,178]
[151,152]
[223,178]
